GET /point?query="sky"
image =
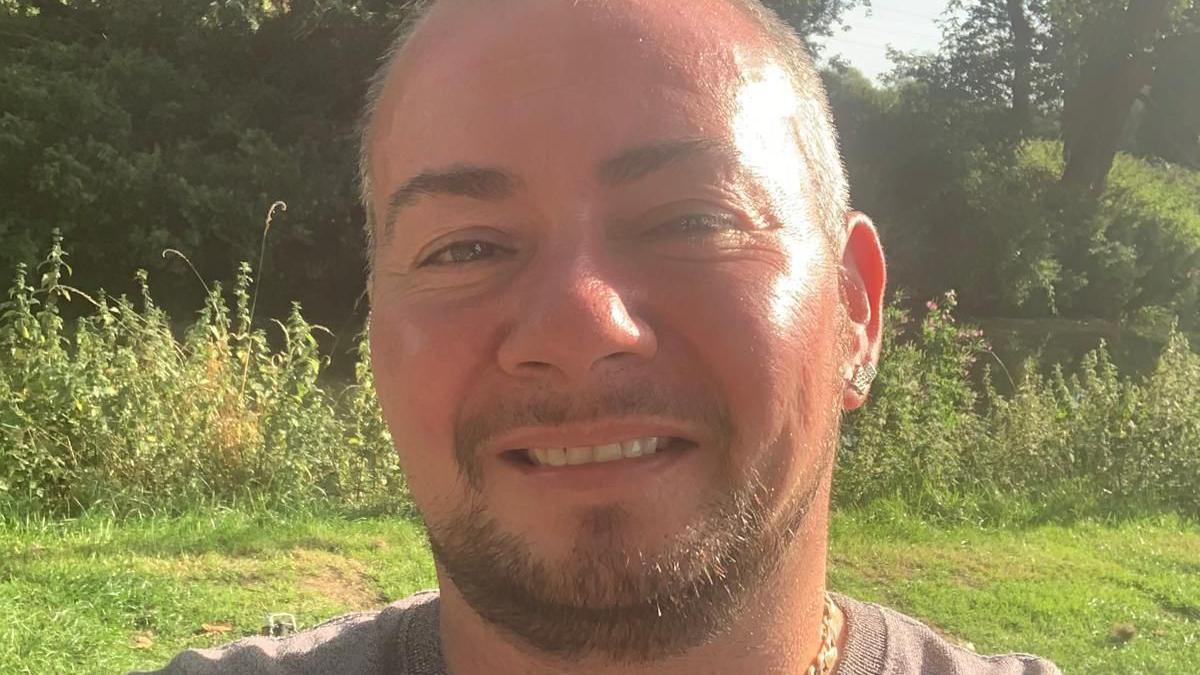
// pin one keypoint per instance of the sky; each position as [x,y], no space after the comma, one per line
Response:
[906,25]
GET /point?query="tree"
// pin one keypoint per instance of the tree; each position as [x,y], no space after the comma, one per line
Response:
[1170,125]
[1023,54]
[1118,41]
[814,17]
[136,125]
[1085,61]
[996,53]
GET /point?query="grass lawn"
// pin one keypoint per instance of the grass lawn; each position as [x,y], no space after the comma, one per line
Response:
[97,596]
[1093,598]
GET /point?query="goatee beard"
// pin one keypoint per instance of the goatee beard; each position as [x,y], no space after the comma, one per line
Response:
[610,600]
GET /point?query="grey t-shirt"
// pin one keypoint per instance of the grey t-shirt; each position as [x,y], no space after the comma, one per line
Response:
[402,639]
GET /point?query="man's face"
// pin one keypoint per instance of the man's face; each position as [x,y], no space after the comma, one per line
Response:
[602,236]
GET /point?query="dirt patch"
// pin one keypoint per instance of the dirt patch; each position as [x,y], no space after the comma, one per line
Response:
[878,571]
[339,580]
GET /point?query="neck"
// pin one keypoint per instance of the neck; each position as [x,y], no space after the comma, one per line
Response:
[778,630]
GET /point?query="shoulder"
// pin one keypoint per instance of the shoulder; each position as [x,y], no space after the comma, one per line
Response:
[882,641]
[377,641]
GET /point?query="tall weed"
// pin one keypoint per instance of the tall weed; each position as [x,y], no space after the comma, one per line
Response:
[118,412]
[121,414]
[1092,443]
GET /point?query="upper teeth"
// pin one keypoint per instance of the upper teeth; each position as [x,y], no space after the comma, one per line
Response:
[595,453]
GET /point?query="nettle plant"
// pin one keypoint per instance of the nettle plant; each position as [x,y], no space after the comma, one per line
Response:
[120,412]
[938,435]
[907,441]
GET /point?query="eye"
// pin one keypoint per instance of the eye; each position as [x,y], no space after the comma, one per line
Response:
[463,252]
[699,224]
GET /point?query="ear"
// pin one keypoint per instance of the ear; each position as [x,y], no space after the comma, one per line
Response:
[863,279]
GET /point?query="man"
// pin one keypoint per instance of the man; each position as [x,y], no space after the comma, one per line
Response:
[618,306]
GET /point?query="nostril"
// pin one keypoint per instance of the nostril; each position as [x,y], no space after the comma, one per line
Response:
[569,339]
[620,356]
[535,366]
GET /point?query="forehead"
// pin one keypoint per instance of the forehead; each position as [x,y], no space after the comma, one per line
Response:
[571,79]
[461,35]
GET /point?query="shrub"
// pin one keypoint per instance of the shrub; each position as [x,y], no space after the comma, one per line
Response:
[119,413]
[122,414]
[907,442]
[1040,250]
[1094,443]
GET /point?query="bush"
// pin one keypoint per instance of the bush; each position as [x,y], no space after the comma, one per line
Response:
[1039,250]
[118,413]
[949,186]
[1094,443]
[907,442]
[124,415]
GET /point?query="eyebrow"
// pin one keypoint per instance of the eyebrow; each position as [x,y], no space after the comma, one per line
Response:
[639,162]
[493,184]
[461,180]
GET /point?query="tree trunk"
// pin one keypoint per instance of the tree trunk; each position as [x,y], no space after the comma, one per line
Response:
[1171,127]
[1022,83]
[1096,111]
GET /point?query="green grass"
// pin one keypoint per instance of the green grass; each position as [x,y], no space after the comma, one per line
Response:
[93,596]
[96,595]
[1066,592]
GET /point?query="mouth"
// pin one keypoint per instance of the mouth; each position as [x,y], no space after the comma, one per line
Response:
[617,451]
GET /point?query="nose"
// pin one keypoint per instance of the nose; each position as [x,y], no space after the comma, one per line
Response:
[571,322]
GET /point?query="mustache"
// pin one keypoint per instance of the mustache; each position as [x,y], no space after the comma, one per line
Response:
[639,397]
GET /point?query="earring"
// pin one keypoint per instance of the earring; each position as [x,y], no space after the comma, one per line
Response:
[864,375]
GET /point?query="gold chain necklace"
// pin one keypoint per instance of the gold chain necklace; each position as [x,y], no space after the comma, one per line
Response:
[823,664]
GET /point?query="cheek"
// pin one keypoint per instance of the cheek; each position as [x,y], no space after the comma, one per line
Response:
[765,335]
[423,361]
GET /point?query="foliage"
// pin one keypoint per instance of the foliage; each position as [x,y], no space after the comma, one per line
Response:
[122,414]
[1077,69]
[1090,443]
[961,206]
[1169,126]
[117,413]
[981,58]
[814,17]
[136,125]
[908,441]
[1039,250]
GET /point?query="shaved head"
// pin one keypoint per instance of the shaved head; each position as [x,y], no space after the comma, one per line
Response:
[815,134]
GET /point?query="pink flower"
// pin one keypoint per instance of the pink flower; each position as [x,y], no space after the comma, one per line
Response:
[931,306]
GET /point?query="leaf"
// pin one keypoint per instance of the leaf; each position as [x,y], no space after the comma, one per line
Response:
[143,640]
[216,628]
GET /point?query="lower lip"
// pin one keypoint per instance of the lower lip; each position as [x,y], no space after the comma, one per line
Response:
[603,475]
